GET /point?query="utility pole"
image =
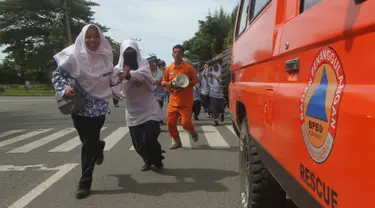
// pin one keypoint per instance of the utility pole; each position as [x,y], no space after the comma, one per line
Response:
[67,22]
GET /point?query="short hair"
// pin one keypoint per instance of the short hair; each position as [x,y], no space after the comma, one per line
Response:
[178,46]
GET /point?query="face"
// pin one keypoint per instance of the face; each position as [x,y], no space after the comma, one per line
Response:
[216,68]
[153,66]
[177,54]
[92,39]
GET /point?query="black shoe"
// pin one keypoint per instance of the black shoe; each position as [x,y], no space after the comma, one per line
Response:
[196,118]
[99,159]
[82,193]
[159,167]
[216,123]
[146,167]
[222,117]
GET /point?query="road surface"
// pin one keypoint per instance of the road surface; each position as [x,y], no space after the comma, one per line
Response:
[39,163]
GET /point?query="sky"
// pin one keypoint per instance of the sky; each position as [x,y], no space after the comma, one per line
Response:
[160,24]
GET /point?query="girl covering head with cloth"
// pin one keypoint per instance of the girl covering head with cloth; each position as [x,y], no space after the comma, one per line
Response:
[142,110]
[89,61]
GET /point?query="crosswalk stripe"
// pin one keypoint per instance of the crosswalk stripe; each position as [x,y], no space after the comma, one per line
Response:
[69,145]
[214,138]
[185,139]
[23,137]
[231,129]
[40,142]
[132,148]
[116,136]
[7,133]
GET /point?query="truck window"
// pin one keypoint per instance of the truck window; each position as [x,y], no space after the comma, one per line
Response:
[257,6]
[242,17]
[307,4]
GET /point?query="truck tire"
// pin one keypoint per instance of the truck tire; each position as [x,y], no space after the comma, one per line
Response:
[257,186]
[225,72]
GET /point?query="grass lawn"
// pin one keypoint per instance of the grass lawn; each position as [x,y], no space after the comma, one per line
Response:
[20,90]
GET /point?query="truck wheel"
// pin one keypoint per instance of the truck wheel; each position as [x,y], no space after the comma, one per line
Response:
[257,186]
[225,72]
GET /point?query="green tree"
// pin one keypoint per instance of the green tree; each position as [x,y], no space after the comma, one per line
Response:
[34,30]
[215,34]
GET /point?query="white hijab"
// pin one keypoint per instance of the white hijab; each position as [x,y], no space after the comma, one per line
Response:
[144,69]
[218,72]
[89,68]
[143,65]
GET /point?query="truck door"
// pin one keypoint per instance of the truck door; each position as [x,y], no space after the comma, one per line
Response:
[319,45]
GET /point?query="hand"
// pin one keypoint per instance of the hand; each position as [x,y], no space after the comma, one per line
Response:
[157,82]
[125,74]
[167,84]
[69,92]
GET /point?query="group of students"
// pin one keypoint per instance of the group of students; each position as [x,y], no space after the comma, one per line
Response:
[209,94]
[89,62]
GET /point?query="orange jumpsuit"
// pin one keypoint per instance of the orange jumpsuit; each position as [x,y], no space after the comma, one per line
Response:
[181,101]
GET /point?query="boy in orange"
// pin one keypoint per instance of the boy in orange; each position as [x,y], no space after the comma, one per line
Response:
[181,99]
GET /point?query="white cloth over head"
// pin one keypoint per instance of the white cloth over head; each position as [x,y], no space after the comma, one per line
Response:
[140,103]
[89,68]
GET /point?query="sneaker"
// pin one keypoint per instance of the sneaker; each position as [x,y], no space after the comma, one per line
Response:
[216,123]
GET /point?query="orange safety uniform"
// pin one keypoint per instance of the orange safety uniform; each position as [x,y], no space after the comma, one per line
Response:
[181,101]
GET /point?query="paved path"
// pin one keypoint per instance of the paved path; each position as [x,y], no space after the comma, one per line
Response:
[39,164]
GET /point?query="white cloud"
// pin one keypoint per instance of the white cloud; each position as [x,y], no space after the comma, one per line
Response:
[160,23]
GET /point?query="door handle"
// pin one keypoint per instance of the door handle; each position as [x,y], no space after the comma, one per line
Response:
[292,65]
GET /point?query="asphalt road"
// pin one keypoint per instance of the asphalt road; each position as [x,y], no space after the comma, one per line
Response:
[39,163]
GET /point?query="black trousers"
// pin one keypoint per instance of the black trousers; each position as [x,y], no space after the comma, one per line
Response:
[115,101]
[197,108]
[217,107]
[206,103]
[145,142]
[88,129]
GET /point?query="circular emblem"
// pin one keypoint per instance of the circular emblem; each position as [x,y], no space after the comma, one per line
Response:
[319,104]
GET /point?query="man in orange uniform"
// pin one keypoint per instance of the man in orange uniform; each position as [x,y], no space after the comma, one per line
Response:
[181,100]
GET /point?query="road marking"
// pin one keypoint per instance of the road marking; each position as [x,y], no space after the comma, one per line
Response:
[231,129]
[116,136]
[132,148]
[30,196]
[69,145]
[185,139]
[38,143]
[214,138]
[7,133]
[23,137]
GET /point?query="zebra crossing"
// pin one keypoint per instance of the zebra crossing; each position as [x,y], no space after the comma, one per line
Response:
[21,141]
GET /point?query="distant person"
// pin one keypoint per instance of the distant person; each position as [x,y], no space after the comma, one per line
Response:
[158,89]
[89,60]
[205,90]
[115,102]
[143,112]
[217,100]
[197,100]
[181,100]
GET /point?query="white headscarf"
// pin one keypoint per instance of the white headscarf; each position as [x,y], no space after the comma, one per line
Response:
[88,67]
[143,65]
[218,72]
[144,69]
